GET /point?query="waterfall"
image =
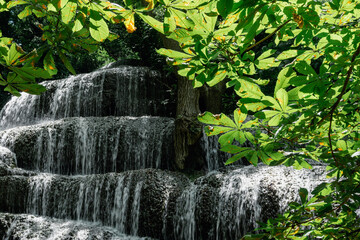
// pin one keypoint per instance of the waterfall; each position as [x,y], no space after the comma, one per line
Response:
[31,227]
[125,91]
[228,205]
[92,158]
[184,219]
[92,145]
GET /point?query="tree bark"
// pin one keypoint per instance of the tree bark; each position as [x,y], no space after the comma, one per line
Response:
[188,130]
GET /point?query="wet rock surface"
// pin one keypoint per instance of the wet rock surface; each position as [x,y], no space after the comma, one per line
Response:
[24,226]
[102,173]
[93,145]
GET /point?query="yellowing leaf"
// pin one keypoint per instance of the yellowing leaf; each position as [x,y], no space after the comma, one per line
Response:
[299,20]
[130,24]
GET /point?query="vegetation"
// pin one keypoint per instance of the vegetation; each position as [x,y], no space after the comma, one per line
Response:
[312,112]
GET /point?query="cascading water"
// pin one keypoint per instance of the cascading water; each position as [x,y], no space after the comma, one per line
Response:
[92,145]
[31,227]
[124,91]
[79,162]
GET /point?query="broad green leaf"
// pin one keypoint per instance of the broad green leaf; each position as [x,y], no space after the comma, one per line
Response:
[266,114]
[323,189]
[267,63]
[282,98]
[99,29]
[269,101]
[25,13]
[66,62]
[158,26]
[224,7]
[181,36]
[283,78]
[14,3]
[239,117]
[181,19]
[49,64]
[248,88]
[173,54]
[303,192]
[341,145]
[237,157]
[264,158]
[304,68]
[274,121]
[216,130]
[218,119]
[78,25]
[228,138]
[12,90]
[35,89]
[289,54]
[254,159]
[61,3]
[31,73]
[266,54]
[217,77]
[68,12]
[13,54]
[186,4]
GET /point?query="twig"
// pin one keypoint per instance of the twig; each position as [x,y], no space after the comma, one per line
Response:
[348,74]
[267,37]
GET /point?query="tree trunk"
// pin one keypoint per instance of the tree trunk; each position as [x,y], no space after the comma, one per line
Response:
[187,129]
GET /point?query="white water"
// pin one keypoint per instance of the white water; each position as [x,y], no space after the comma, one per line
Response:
[125,91]
[39,228]
[219,206]
[93,145]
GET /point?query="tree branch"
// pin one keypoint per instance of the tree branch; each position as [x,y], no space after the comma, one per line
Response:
[267,37]
[348,74]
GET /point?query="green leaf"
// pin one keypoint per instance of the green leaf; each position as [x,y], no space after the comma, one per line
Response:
[181,19]
[31,73]
[269,101]
[25,13]
[289,54]
[99,30]
[14,3]
[267,63]
[173,54]
[237,156]
[220,119]
[181,36]
[215,130]
[284,77]
[266,54]
[341,145]
[228,138]
[12,90]
[35,89]
[303,192]
[282,98]
[254,159]
[66,62]
[217,77]
[68,12]
[275,120]
[224,7]
[239,117]
[13,54]
[304,68]
[158,26]
[49,64]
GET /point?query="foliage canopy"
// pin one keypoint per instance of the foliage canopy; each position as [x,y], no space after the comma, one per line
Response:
[313,112]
